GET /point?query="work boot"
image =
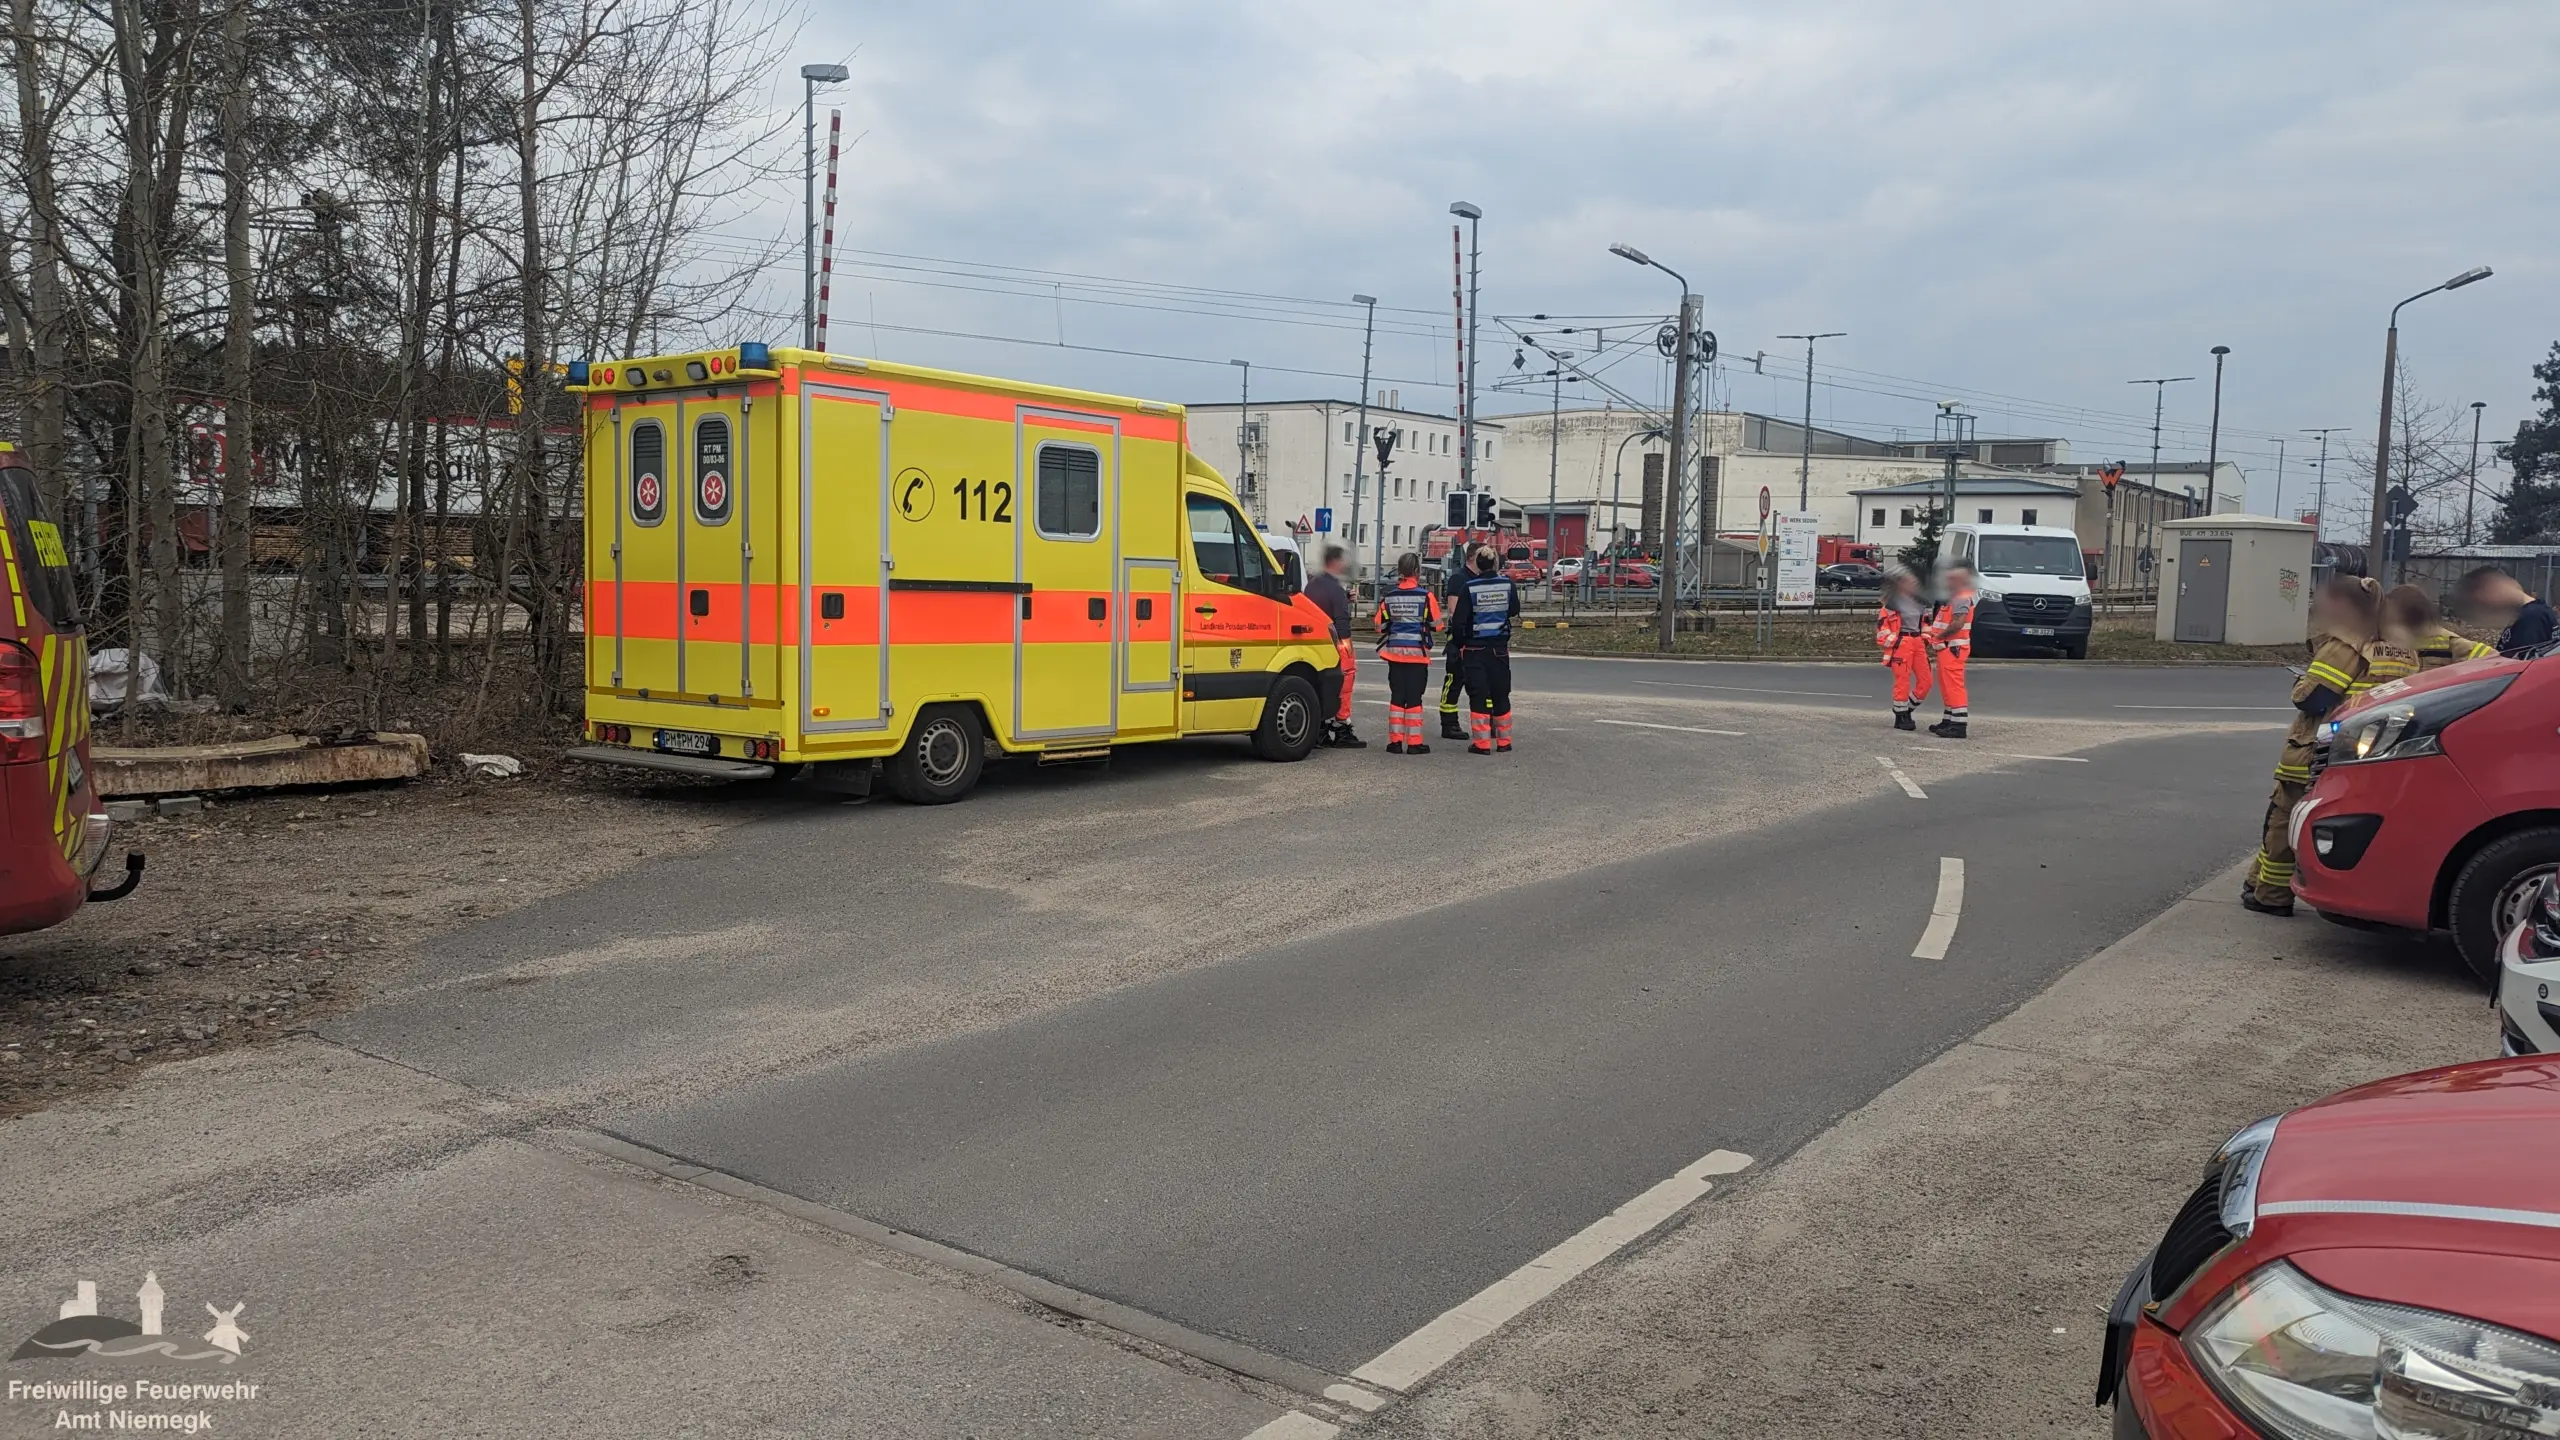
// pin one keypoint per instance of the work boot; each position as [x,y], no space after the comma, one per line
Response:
[1397,747]
[1501,747]
[1902,720]
[1948,729]
[1479,749]
[1450,729]
[1345,738]
[2249,901]
[1416,747]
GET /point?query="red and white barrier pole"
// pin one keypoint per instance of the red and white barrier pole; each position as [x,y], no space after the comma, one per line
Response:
[827,246]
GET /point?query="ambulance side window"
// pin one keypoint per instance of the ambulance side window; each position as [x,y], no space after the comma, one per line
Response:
[44,566]
[648,472]
[1069,494]
[1223,547]
[711,477]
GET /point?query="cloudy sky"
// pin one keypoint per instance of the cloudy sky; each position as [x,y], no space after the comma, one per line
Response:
[2019,205]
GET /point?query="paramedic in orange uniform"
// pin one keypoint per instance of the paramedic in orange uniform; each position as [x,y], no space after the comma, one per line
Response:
[1899,625]
[1950,638]
[1407,618]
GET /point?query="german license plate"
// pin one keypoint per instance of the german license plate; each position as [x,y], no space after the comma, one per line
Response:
[2027,630]
[687,742]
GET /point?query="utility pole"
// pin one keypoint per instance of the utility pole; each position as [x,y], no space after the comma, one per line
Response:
[1804,476]
[2213,437]
[1467,356]
[1684,342]
[811,77]
[2382,439]
[2320,484]
[1555,441]
[1245,478]
[2471,491]
[1360,444]
[2151,507]
[2278,507]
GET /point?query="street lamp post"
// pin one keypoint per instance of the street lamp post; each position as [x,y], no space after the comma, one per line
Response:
[811,77]
[1555,443]
[1668,601]
[2374,559]
[1804,476]
[2320,481]
[1360,445]
[1467,382]
[2471,488]
[2213,437]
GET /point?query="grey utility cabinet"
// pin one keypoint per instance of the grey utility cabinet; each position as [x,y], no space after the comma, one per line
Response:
[2235,580]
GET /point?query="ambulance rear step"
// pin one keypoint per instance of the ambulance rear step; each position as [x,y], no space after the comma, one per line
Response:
[681,764]
[1075,757]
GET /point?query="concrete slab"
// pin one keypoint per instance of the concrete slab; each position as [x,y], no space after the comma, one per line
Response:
[256,764]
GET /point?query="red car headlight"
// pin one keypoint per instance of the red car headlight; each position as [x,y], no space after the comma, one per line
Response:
[2304,1362]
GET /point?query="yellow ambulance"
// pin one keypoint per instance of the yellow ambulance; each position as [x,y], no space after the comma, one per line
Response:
[803,560]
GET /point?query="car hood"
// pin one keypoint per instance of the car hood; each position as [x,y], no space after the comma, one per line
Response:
[2458,674]
[2476,1135]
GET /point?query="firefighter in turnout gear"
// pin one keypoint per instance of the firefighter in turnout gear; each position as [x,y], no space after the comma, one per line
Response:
[1899,626]
[1453,665]
[2410,620]
[2343,635]
[1950,638]
[1487,604]
[1406,619]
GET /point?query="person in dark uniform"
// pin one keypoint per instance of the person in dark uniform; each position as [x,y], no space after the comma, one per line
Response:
[1325,588]
[1453,668]
[1487,604]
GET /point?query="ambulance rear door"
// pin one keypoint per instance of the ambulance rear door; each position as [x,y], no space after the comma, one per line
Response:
[844,503]
[721,514]
[1067,474]
[648,563]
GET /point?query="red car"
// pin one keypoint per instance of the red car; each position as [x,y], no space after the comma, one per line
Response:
[53,832]
[2438,805]
[2384,1263]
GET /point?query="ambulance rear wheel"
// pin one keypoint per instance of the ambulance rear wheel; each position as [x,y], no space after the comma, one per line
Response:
[942,759]
[1288,729]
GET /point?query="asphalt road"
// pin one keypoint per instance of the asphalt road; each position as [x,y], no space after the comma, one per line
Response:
[1304,1055]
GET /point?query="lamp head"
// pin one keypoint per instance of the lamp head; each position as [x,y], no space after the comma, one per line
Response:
[826,74]
[1465,211]
[1364,299]
[2221,350]
[2476,272]
[1629,252]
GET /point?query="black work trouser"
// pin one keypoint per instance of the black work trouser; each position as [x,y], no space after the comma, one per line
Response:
[1488,672]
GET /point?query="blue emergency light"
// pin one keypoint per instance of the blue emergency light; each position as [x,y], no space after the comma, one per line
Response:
[755,355]
[577,372]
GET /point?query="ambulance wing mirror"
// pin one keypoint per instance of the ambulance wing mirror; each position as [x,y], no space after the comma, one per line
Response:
[1293,573]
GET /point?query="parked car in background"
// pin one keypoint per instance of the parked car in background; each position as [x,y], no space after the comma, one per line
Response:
[1849,575]
[2529,981]
[2384,1262]
[1568,570]
[1627,575]
[2435,805]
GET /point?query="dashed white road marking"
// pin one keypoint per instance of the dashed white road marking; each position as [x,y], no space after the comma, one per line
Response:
[2059,759]
[1943,912]
[1908,786]
[1296,1425]
[2246,709]
[1412,1360]
[1752,689]
[1649,725]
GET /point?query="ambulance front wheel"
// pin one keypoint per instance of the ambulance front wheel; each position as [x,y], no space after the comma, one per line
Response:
[942,759]
[1288,729]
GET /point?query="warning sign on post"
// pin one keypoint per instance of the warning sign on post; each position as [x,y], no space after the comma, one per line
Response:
[1799,546]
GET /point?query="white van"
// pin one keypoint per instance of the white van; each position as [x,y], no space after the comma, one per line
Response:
[2035,586]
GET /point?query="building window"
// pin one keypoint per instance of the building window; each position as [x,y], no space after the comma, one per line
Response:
[2026,517]
[1907,521]
[1875,517]
[1983,514]
[1070,493]
[1346,431]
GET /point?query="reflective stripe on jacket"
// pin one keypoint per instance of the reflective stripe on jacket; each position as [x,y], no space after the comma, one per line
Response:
[2337,667]
[1953,629]
[1485,606]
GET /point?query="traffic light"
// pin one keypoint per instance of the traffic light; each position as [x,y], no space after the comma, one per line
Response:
[1457,509]
[2110,473]
[2401,505]
[1486,516]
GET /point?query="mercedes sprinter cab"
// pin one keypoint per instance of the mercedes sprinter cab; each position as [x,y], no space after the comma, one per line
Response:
[2035,591]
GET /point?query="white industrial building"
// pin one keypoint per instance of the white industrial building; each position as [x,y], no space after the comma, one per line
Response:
[1296,457]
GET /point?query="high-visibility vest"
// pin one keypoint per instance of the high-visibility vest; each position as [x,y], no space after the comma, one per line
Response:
[1406,615]
[1953,629]
[1489,602]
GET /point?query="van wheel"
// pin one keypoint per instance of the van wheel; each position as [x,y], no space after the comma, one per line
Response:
[2496,892]
[942,759]
[1288,728]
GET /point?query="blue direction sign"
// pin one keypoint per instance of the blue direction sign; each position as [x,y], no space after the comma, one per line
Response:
[1324,519]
